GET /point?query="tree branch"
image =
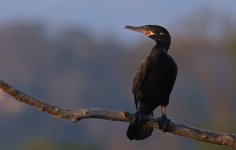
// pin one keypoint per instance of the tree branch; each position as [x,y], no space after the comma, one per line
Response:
[75,115]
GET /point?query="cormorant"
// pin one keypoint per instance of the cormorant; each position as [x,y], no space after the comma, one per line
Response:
[153,81]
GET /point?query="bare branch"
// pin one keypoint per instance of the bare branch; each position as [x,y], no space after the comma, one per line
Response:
[75,115]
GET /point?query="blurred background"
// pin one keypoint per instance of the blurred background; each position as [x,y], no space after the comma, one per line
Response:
[77,54]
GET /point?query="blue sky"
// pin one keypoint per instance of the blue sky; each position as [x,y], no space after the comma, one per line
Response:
[107,15]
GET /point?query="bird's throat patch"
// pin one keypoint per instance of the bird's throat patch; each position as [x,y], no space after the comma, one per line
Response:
[148,33]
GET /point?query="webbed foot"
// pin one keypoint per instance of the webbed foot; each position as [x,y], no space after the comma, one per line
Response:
[164,122]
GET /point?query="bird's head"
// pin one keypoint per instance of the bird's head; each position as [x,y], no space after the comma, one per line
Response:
[155,32]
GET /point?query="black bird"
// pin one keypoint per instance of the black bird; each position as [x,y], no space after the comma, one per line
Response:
[153,81]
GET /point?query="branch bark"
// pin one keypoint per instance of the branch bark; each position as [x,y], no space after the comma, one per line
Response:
[74,115]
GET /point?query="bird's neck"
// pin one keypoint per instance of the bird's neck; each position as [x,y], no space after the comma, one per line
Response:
[160,48]
[156,51]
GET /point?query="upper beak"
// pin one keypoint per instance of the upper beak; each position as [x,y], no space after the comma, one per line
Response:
[133,28]
[139,29]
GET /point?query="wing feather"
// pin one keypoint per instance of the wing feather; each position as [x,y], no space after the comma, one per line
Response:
[138,80]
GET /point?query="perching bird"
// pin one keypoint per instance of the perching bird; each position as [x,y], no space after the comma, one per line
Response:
[153,81]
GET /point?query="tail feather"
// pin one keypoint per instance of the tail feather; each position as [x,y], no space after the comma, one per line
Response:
[138,131]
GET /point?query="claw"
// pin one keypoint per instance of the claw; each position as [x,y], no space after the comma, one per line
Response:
[164,122]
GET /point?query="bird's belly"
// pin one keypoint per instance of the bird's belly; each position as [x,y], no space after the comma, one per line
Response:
[155,89]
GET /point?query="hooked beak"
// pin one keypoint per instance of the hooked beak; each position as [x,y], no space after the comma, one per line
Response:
[140,29]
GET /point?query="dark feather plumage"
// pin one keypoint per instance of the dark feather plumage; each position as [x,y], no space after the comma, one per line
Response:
[154,79]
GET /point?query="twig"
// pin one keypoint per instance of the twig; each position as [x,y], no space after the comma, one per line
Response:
[75,115]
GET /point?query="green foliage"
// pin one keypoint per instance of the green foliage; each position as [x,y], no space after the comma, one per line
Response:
[42,144]
[232,46]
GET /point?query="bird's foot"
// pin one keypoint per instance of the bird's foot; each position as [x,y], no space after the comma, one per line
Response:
[164,122]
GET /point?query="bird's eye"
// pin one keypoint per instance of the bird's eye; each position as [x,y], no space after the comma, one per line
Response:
[161,33]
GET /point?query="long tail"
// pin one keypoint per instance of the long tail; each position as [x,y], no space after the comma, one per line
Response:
[137,131]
